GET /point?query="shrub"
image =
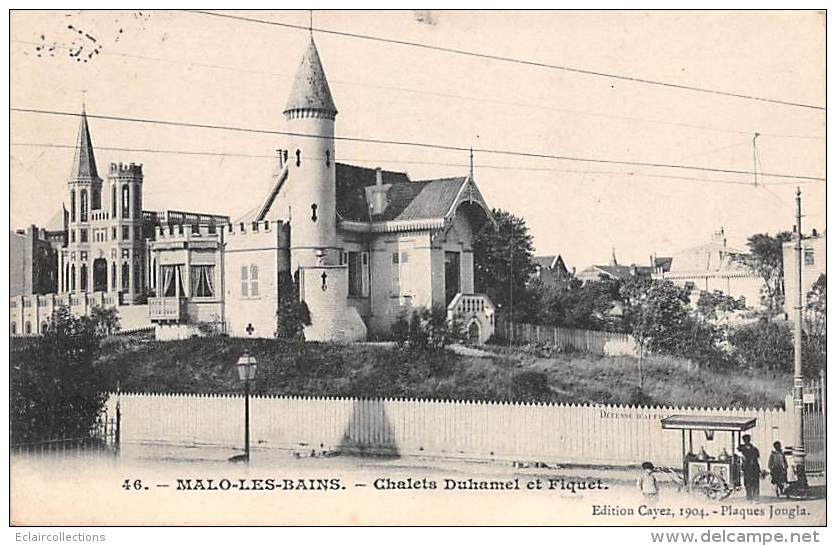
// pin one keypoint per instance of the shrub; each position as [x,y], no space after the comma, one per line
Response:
[530,386]
[766,345]
[292,315]
[426,329]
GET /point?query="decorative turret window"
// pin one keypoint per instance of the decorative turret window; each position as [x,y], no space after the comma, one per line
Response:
[298,157]
[126,201]
[72,205]
[84,205]
[113,210]
[327,158]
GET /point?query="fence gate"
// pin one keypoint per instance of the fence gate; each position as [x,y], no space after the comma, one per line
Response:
[814,414]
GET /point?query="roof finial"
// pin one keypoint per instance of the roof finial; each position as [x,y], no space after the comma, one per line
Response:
[83,101]
[310,23]
[471,162]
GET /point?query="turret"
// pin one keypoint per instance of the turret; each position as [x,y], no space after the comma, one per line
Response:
[84,184]
[311,193]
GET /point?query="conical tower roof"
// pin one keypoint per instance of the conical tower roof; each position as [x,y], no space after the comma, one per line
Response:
[310,90]
[84,164]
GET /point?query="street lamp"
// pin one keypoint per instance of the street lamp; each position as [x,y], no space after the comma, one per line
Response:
[246,372]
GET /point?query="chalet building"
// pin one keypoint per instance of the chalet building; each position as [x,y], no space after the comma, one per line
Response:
[96,246]
[360,246]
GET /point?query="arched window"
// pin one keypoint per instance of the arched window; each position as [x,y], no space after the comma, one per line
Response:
[113,276]
[298,157]
[27,328]
[84,277]
[113,210]
[13,328]
[126,201]
[72,205]
[44,327]
[327,158]
[84,205]
[72,277]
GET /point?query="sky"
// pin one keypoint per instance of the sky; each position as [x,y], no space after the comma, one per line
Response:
[196,68]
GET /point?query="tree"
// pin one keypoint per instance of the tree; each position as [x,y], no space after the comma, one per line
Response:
[713,306]
[815,327]
[580,305]
[765,345]
[656,315]
[767,261]
[58,389]
[106,320]
[502,263]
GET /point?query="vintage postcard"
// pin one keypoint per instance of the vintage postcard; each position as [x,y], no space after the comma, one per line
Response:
[418,267]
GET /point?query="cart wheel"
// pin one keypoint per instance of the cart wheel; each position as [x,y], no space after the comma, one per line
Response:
[711,485]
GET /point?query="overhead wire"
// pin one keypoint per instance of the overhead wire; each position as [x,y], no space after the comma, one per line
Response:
[404,143]
[526,62]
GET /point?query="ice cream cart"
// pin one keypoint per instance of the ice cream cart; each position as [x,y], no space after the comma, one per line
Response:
[714,476]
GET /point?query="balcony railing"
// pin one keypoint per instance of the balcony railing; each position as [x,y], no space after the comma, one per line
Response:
[475,313]
[166,309]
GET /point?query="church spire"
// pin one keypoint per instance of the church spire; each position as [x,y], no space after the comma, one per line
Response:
[310,89]
[84,164]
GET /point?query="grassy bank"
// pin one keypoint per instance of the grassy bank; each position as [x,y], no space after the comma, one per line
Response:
[206,365]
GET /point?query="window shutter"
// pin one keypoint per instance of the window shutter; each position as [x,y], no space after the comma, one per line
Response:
[406,287]
[365,274]
[254,280]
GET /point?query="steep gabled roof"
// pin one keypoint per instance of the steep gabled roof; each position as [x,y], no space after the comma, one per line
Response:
[310,89]
[84,163]
[423,199]
[546,262]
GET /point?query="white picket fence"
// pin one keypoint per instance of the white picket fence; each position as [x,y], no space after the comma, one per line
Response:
[549,433]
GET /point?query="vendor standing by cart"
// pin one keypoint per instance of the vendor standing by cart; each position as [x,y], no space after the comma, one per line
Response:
[751,467]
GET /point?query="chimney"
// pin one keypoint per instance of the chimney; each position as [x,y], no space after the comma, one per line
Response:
[378,193]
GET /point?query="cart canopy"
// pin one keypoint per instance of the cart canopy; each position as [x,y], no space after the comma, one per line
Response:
[709,422]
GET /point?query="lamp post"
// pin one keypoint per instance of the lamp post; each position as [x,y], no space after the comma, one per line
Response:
[246,372]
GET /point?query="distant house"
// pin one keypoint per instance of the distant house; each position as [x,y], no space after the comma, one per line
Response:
[33,262]
[713,266]
[551,270]
[614,271]
[813,264]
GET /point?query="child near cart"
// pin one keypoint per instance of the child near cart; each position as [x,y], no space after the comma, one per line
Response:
[647,483]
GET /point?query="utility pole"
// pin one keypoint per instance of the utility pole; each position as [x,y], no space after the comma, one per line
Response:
[798,454]
[511,282]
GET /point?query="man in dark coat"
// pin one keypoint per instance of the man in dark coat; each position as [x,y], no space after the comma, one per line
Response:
[751,468]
